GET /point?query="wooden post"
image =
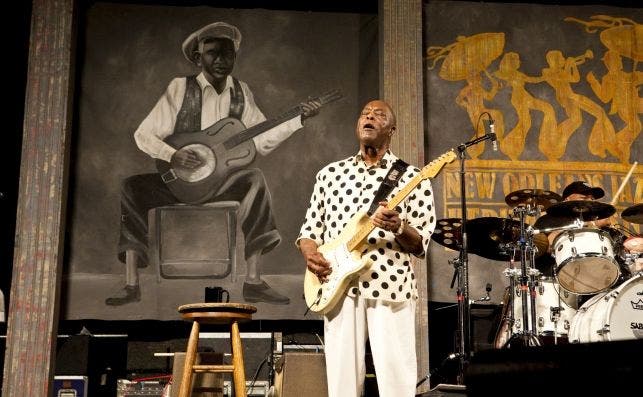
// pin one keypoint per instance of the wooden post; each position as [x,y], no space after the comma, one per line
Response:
[35,286]
[401,85]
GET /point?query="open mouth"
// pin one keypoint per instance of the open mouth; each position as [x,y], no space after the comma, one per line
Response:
[368,126]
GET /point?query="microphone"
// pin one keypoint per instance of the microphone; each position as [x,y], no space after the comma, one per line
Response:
[490,130]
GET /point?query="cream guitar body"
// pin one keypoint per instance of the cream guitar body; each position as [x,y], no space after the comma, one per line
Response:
[347,265]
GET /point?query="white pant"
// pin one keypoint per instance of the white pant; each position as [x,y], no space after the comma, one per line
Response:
[390,327]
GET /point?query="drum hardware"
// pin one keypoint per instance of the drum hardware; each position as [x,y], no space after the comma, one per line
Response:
[526,334]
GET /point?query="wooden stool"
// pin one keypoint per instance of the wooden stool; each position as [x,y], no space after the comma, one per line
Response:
[215,313]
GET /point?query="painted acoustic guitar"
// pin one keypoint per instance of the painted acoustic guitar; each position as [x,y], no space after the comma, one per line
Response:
[344,252]
[223,147]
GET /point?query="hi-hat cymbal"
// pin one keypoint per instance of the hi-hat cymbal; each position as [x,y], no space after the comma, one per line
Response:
[633,214]
[533,197]
[487,237]
[581,209]
[447,233]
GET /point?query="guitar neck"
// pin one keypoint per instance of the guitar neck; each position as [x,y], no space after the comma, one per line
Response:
[262,127]
[363,232]
[428,171]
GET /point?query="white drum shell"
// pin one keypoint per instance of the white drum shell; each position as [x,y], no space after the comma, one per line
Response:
[585,261]
[549,298]
[609,316]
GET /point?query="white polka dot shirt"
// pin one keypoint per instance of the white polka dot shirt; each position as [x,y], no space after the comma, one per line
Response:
[346,187]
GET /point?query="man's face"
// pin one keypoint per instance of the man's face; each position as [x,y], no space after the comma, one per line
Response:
[217,58]
[579,196]
[375,124]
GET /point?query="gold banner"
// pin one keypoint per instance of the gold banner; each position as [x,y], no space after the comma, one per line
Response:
[488,182]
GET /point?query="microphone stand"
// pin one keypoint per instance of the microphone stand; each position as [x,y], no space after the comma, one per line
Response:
[462,269]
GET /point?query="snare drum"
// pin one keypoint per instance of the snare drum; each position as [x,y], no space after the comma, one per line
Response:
[609,316]
[585,261]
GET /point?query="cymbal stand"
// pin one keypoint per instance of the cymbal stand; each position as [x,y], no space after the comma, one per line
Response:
[528,336]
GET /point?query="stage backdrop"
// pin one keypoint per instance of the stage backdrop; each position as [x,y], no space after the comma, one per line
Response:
[127,56]
[563,87]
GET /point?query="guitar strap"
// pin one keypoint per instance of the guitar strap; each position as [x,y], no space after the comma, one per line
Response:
[390,181]
[237,100]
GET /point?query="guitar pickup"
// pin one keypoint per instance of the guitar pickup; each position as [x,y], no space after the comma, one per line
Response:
[169,176]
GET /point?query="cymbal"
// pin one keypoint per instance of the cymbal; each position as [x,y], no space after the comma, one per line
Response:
[488,235]
[533,197]
[447,233]
[549,221]
[633,214]
[581,209]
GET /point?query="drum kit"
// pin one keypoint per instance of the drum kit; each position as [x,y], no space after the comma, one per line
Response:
[569,282]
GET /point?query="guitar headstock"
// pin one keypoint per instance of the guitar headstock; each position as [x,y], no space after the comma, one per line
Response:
[430,170]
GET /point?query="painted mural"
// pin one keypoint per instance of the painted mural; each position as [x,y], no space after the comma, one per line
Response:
[563,90]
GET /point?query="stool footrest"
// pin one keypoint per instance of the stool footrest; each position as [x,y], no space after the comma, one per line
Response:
[213,368]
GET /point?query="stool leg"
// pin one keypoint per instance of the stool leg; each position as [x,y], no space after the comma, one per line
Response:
[238,372]
[190,357]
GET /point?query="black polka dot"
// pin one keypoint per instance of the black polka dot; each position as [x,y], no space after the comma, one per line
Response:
[374,276]
[365,284]
[408,295]
[354,290]
[373,257]
[376,294]
[393,295]
[385,285]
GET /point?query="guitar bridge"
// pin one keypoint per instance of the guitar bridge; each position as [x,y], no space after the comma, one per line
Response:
[169,176]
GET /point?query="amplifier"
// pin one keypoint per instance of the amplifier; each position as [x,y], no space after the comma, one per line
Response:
[70,386]
[258,388]
[127,388]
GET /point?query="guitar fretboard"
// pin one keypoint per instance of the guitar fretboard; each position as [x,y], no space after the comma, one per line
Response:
[262,127]
[272,123]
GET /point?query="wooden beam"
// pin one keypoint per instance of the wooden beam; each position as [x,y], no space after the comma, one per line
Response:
[35,286]
[401,85]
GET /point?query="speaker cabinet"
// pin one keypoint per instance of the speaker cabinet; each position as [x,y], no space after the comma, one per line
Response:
[300,374]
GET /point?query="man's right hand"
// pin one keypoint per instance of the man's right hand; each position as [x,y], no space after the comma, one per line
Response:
[315,261]
[185,158]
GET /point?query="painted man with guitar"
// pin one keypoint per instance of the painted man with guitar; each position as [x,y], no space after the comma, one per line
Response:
[378,301]
[199,107]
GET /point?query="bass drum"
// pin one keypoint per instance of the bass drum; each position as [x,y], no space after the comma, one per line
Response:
[609,316]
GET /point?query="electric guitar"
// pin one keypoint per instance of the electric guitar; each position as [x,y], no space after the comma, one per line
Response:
[222,148]
[344,252]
